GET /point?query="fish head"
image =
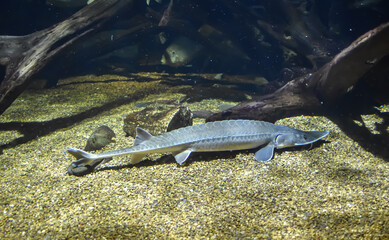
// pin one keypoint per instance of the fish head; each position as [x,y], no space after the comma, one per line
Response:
[299,138]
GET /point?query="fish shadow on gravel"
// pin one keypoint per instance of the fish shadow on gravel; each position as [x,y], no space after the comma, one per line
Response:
[169,159]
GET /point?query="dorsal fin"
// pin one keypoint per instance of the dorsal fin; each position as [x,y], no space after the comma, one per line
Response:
[141,135]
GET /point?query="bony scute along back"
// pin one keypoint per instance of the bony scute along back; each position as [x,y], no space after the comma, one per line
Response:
[224,135]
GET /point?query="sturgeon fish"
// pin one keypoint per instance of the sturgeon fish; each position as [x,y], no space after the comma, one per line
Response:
[224,135]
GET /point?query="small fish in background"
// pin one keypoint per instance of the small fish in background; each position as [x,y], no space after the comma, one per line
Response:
[100,138]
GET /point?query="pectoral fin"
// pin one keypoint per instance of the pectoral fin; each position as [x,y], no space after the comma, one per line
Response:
[135,158]
[182,156]
[265,154]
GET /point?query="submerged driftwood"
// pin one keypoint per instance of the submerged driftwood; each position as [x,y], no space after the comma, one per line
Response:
[24,56]
[313,91]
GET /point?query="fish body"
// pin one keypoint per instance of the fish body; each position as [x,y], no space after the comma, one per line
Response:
[224,135]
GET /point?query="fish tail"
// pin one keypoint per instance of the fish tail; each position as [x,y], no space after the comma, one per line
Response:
[81,155]
[85,163]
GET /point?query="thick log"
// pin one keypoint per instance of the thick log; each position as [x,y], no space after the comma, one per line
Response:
[342,74]
[324,87]
[24,56]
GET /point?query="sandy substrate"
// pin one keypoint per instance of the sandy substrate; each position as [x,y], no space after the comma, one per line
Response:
[336,189]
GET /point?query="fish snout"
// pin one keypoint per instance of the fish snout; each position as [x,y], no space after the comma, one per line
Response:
[300,138]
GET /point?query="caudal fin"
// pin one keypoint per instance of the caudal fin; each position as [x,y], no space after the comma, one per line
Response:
[85,163]
[79,154]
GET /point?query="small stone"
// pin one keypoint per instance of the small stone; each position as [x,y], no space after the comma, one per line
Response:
[182,118]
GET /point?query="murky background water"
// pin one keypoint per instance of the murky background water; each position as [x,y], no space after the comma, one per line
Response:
[137,70]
